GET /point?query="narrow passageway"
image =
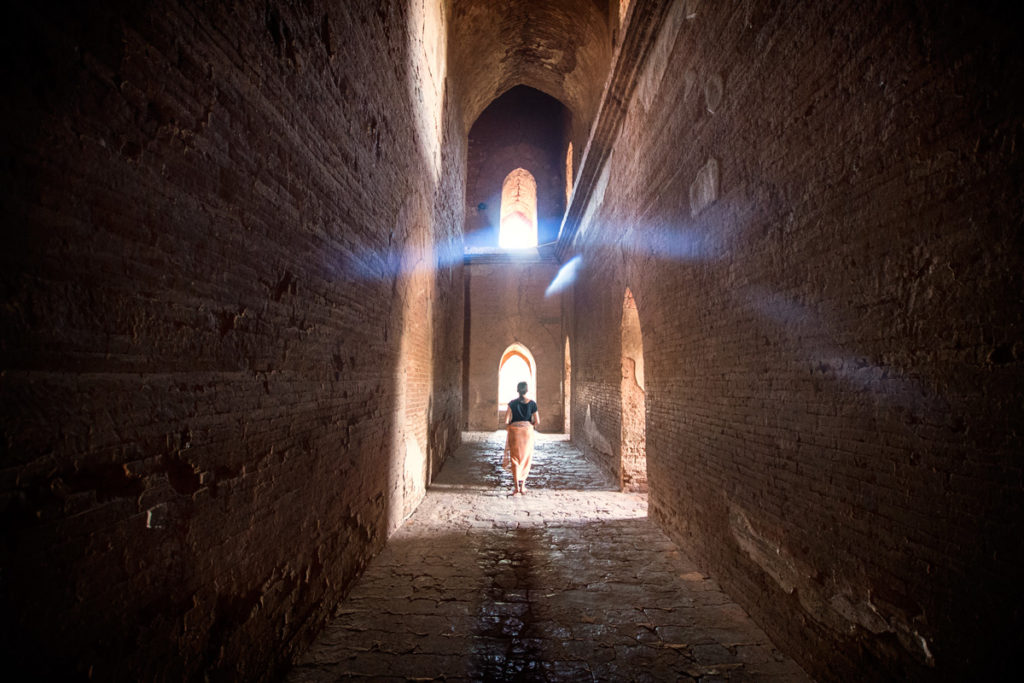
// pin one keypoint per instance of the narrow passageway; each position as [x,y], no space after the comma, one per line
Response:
[569,582]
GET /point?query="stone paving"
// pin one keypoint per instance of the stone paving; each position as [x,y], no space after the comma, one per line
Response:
[570,582]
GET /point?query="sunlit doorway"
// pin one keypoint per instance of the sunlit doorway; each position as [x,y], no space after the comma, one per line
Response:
[516,365]
[634,400]
[567,390]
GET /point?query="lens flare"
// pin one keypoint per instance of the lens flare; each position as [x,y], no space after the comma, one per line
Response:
[566,276]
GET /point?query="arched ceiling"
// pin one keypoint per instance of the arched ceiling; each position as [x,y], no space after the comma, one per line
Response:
[560,47]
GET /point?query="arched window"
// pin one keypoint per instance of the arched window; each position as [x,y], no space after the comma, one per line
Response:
[518,228]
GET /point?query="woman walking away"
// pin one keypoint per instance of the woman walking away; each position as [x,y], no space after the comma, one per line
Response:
[521,418]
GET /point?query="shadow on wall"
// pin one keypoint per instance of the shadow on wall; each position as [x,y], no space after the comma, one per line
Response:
[594,440]
[229,382]
[851,415]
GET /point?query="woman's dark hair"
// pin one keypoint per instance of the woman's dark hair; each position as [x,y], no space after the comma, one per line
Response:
[521,388]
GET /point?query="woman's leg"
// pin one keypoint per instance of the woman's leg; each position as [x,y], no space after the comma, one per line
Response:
[520,437]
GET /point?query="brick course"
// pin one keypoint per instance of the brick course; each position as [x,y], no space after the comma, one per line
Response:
[222,328]
[818,210]
[235,312]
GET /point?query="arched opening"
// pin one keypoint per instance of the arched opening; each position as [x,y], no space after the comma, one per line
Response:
[518,229]
[634,403]
[516,365]
[567,390]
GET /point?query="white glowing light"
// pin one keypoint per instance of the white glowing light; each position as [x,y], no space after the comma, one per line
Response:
[514,371]
[517,365]
[565,277]
[517,233]
[518,228]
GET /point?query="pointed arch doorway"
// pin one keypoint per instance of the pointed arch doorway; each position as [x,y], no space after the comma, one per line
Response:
[634,400]
[516,365]
[567,391]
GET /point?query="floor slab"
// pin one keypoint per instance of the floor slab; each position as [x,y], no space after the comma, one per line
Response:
[569,582]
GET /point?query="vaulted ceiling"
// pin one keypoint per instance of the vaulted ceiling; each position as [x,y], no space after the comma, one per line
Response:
[560,47]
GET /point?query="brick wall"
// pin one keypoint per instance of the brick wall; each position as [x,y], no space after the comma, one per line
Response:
[817,207]
[507,303]
[225,346]
[595,334]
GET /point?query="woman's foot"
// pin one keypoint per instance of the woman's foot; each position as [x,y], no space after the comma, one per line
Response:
[522,488]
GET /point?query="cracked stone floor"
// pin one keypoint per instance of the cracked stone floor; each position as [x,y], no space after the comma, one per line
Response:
[570,582]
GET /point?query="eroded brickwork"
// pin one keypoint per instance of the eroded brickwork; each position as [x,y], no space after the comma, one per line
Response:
[817,207]
[229,364]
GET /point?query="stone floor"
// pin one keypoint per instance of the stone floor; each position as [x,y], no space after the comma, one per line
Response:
[568,582]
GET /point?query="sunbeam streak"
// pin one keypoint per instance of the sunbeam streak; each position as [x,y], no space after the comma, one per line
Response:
[369,265]
[565,277]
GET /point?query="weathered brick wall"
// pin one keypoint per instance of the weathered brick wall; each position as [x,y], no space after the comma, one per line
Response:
[225,346]
[818,209]
[595,338]
[524,128]
[507,304]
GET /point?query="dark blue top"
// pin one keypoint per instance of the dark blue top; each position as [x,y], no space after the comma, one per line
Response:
[522,412]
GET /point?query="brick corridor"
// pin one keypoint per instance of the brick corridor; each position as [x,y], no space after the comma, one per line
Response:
[570,582]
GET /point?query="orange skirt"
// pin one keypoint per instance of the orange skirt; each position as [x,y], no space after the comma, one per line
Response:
[518,450]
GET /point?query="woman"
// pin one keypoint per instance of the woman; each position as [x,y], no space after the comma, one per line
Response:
[521,418]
